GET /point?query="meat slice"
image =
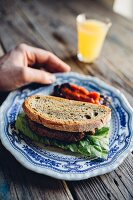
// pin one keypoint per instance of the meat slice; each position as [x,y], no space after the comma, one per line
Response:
[59,135]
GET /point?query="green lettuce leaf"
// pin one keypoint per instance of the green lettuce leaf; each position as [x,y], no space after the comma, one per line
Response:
[91,146]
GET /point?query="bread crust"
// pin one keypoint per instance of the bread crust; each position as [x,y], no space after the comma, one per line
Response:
[67,125]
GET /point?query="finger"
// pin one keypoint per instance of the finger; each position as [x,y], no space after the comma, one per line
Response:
[38,76]
[55,64]
[36,55]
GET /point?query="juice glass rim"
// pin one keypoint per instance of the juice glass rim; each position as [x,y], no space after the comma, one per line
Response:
[82,17]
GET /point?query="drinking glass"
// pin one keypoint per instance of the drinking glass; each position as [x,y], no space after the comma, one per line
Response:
[91,35]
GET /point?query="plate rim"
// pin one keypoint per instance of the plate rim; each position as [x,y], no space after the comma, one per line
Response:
[66,176]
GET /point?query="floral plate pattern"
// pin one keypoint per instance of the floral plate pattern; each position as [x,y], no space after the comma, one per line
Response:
[57,163]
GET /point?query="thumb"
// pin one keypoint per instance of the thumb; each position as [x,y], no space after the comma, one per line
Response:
[38,76]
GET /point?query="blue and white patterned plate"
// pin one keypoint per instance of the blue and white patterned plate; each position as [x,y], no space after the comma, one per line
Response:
[60,164]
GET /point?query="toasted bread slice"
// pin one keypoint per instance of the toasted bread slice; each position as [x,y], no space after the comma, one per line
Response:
[66,115]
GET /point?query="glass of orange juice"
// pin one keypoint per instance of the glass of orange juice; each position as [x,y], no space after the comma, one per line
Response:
[91,36]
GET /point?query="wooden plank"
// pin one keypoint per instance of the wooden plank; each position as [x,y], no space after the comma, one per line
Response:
[125,173]
[44,30]
[7,42]
[19,183]
[115,185]
[4,187]
[19,33]
[109,4]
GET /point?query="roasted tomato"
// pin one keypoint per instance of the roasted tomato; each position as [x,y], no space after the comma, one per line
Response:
[75,92]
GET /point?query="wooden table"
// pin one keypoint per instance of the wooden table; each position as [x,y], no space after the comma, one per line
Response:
[51,25]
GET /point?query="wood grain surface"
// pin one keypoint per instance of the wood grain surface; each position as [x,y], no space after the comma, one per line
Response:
[51,25]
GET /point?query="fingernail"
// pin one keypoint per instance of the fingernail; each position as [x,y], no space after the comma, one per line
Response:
[52,78]
[68,68]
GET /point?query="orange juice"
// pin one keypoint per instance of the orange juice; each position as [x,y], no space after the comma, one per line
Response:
[91,35]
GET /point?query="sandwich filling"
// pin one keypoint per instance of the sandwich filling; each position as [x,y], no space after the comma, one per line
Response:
[84,143]
[50,133]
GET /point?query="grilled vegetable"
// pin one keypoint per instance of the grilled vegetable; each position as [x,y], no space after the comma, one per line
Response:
[75,92]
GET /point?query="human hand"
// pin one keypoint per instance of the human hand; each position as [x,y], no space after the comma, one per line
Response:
[16,67]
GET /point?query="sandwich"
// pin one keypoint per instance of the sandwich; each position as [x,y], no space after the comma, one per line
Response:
[76,126]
